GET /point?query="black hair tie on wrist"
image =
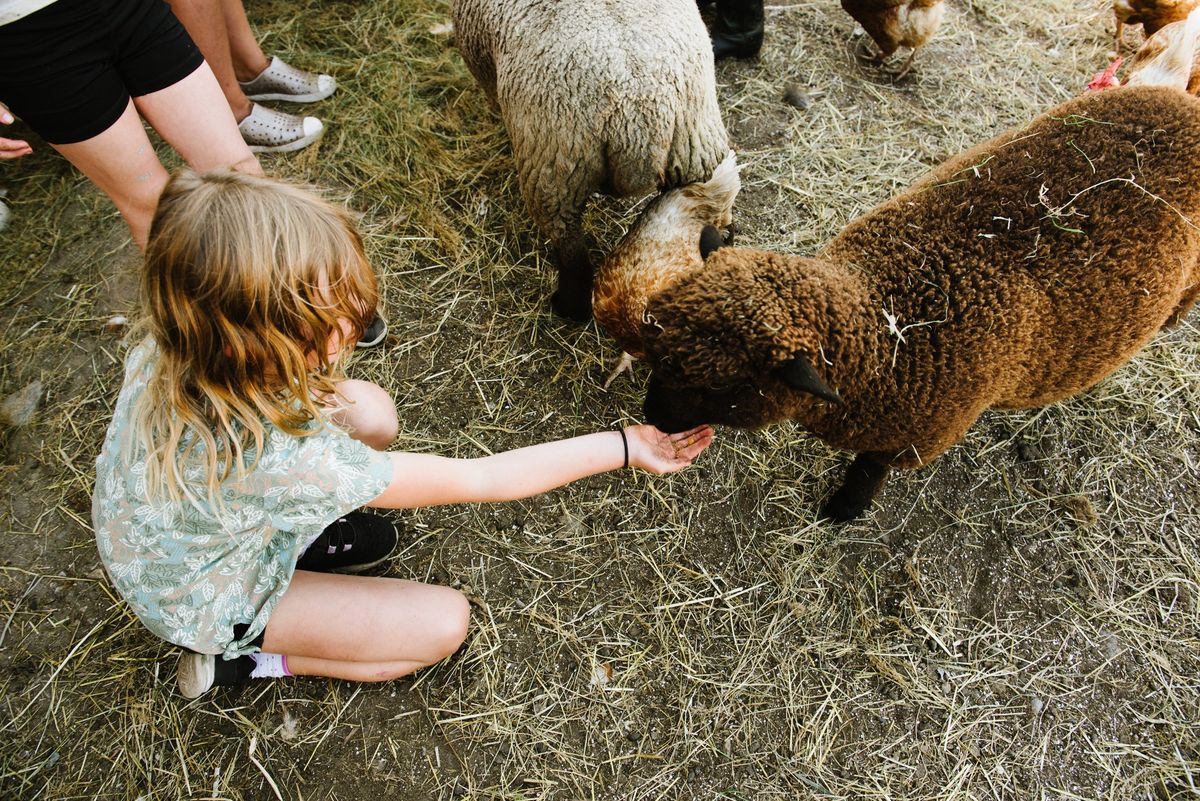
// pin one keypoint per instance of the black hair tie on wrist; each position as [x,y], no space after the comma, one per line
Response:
[625,445]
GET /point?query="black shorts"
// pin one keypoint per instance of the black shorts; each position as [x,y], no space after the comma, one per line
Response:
[69,69]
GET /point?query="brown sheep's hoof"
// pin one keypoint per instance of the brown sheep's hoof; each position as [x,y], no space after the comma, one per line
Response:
[864,479]
[842,507]
[572,308]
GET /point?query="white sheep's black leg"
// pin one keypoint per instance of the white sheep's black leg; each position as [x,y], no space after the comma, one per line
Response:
[713,238]
[864,478]
[573,298]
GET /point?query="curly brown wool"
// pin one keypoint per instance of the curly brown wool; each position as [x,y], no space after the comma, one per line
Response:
[1014,275]
[612,96]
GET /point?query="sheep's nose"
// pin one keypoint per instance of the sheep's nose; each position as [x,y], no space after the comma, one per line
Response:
[656,410]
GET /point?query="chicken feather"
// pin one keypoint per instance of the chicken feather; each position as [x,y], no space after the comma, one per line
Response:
[1169,57]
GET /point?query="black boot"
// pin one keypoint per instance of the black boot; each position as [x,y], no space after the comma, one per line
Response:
[737,28]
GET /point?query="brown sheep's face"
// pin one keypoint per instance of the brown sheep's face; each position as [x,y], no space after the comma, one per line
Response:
[700,367]
[675,409]
[725,349]
[707,376]
[748,403]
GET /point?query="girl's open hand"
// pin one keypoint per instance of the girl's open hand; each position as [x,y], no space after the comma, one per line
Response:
[659,453]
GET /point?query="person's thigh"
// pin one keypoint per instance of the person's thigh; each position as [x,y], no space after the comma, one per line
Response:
[366,619]
[194,118]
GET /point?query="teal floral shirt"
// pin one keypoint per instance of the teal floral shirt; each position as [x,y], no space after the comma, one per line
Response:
[190,572]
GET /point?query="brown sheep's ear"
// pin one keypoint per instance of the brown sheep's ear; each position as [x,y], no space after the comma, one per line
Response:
[710,240]
[798,374]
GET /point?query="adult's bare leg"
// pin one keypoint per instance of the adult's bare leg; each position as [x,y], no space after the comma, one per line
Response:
[248,58]
[194,118]
[364,628]
[122,162]
[220,29]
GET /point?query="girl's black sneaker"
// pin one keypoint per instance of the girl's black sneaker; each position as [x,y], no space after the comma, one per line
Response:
[196,673]
[353,543]
[376,332]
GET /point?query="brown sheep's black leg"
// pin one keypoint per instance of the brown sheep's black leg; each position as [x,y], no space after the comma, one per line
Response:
[864,478]
[573,298]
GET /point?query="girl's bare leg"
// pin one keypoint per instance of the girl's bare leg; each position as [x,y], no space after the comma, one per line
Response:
[351,671]
[194,118]
[364,628]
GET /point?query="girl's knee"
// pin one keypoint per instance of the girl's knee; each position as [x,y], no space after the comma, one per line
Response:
[369,413]
[428,622]
[451,626]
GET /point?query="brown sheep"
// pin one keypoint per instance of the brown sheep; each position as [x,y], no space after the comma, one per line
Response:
[1016,274]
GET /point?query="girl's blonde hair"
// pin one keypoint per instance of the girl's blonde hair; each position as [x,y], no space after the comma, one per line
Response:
[245,282]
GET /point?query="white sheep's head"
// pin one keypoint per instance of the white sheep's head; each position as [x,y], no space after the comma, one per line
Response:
[735,344]
[660,247]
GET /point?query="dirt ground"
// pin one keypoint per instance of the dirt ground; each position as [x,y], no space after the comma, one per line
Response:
[1019,620]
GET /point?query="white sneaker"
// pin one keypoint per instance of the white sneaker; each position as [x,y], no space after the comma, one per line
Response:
[282,81]
[269,131]
[196,673]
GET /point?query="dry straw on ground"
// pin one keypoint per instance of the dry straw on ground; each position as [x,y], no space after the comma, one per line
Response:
[1017,621]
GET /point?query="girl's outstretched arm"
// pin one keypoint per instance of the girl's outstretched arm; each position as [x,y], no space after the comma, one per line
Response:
[420,479]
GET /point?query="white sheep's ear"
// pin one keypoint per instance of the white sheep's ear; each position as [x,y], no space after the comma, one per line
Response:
[710,240]
[798,374]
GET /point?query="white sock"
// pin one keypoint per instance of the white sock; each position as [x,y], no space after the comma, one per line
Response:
[269,666]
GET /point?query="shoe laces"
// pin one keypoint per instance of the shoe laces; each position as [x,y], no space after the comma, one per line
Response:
[339,537]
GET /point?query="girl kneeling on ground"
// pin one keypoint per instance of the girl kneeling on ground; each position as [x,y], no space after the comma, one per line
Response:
[238,451]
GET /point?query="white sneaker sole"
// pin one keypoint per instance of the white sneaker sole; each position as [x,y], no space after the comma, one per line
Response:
[352,569]
[194,674]
[288,147]
[312,97]
[373,341]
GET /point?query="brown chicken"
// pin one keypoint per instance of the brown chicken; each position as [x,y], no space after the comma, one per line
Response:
[897,23]
[1150,14]
[1169,57]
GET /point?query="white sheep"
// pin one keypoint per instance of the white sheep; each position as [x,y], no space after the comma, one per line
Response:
[611,96]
